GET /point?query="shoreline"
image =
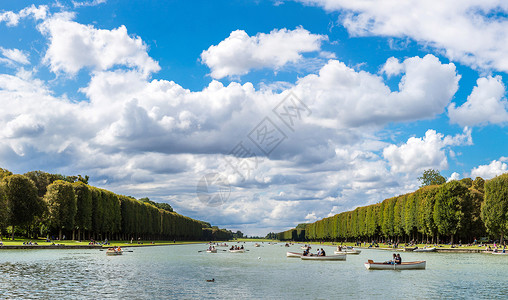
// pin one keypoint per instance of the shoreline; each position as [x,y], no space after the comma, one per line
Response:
[60,247]
[438,249]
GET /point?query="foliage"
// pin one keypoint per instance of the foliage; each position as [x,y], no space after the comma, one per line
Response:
[494,211]
[431,177]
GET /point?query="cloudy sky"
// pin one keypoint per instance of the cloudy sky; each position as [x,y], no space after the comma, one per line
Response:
[290,111]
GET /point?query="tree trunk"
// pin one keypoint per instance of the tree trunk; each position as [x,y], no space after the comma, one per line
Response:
[73,234]
[60,234]
[12,233]
[501,238]
[79,234]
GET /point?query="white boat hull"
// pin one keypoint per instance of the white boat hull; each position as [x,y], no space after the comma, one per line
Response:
[111,253]
[348,252]
[237,251]
[414,265]
[293,254]
[500,253]
[425,250]
[329,257]
[211,251]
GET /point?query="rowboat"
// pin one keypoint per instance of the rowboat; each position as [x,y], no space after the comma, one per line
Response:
[237,251]
[329,257]
[410,265]
[500,253]
[257,245]
[212,251]
[293,254]
[112,251]
[425,249]
[348,250]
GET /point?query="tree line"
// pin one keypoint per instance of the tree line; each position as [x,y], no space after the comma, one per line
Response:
[458,210]
[42,204]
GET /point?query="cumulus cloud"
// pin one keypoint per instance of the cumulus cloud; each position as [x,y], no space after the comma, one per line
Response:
[73,46]
[240,53]
[12,18]
[342,97]
[466,31]
[496,167]
[454,176]
[429,152]
[486,104]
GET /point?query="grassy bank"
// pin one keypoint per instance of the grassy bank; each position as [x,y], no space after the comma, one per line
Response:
[70,243]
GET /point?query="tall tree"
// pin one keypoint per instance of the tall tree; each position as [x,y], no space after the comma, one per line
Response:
[495,207]
[449,215]
[431,177]
[4,210]
[61,202]
[22,200]
[84,207]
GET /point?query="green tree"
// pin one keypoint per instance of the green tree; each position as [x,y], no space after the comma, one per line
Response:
[449,215]
[84,207]
[4,210]
[478,184]
[22,201]
[494,211]
[62,206]
[431,177]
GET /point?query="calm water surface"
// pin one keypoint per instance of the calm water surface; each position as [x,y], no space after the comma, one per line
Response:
[180,272]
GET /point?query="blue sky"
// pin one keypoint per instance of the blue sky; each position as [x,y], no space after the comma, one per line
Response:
[148,97]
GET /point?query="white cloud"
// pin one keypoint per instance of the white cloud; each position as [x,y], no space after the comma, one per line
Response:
[12,56]
[418,154]
[454,176]
[73,46]
[463,29]
[496,167]
[88,3]
[343,97]
[486,104]
[392,67]
[240,53]
[12,18]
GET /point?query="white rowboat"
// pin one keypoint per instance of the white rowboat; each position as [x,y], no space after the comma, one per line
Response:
[293,254]
[500,253]
[329,257]
[212,251]
[410,265]
[114,252]
[433,249]
[237,251]
[347,252]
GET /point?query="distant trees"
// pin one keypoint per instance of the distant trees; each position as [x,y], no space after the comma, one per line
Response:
[451,211]
[494,211]
[61,203]
[431,177]
[47,203]
[22,201]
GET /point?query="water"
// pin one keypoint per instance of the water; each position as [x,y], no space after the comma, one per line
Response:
[180,272]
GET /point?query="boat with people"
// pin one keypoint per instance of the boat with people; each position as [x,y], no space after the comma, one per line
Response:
[257,245]
[237,251]
[346,250]
[410,265]
[114,251]
[499,253]
[211,251]
[327,257]
[293,254]
[425,249]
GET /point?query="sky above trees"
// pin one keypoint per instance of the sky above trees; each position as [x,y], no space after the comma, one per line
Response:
[304,108]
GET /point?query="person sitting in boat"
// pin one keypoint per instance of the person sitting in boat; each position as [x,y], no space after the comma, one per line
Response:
[392,261]
[318,252]
[397,259]
[305,252]
[241,248]
[323,253]
[339,248]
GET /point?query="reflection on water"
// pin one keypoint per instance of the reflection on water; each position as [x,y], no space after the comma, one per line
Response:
[265,273]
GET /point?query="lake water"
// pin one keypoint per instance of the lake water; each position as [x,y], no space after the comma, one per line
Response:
[180,272]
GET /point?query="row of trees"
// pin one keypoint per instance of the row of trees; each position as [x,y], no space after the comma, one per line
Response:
[39,203]
[452,211]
